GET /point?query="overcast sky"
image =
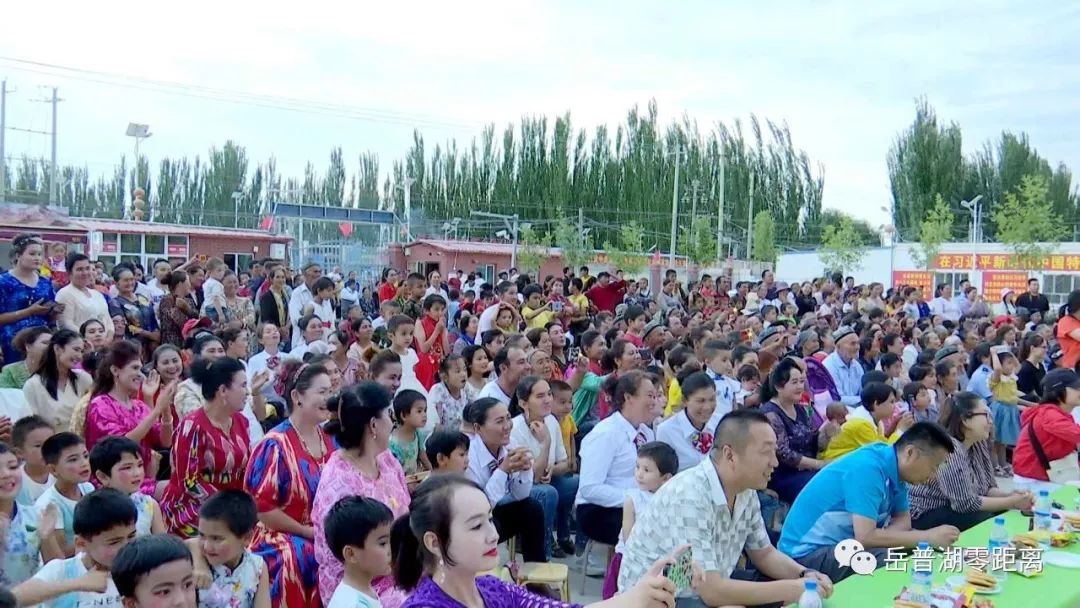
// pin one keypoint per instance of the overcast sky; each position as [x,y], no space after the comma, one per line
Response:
[843,75]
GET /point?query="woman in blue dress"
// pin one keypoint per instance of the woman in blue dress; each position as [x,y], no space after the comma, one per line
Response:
[27,299]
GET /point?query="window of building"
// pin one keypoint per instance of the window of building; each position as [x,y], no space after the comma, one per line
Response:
[952,279]
[141,248]
[1056,287]
[238,262]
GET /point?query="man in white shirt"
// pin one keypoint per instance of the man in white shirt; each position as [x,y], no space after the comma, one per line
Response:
[301,297]
[507,295]
[714,508]
[511,365]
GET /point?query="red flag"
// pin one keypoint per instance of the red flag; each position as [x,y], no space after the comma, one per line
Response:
[346,229]
[266,222]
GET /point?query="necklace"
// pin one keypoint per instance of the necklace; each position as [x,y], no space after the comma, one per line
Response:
[303,441]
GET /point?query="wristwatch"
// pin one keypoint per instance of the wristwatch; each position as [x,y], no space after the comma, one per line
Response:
[804,572]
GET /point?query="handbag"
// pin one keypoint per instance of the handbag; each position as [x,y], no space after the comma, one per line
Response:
[1062,470]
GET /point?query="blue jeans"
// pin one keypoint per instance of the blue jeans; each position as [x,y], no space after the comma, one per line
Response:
[557,499]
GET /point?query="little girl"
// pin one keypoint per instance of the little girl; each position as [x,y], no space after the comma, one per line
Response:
[1006,407]
[407,440]
[657,462]
[504,320]
[452,393]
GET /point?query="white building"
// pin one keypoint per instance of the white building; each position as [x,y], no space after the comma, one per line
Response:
[989,266]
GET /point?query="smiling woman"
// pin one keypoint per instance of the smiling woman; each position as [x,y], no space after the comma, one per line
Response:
[282,475]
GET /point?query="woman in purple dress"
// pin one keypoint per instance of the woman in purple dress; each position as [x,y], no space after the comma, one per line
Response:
[448,538]
[796,435]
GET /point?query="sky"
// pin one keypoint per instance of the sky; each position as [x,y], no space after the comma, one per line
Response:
[843,75]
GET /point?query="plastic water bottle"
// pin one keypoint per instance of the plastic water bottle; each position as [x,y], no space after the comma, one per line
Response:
[1043,517]
[999,540]
[922,578]
[810,597]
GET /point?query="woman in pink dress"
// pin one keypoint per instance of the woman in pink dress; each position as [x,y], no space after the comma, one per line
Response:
[363,466]
[211,445]
[115,410]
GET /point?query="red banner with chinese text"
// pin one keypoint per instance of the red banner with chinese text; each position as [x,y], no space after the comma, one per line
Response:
[1058,262]
[922,280]
[994,282]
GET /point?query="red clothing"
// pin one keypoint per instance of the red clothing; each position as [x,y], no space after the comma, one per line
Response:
[1069,346]
[1057,432]
[387,292]
[607,298]
[427,368]
[632,339]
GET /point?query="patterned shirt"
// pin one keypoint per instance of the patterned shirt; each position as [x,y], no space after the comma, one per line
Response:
[682,513]
[967,476]
[236,588]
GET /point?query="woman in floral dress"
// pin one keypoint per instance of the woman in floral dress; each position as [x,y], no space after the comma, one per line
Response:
[26,297]
[282,475]
[210,447]
[175,308]
[363,466]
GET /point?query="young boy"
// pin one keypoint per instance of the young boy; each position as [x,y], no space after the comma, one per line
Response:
[561,407]
[154,572]
[116,462]
[657,462]
[836,414]
[635,325]
[718,365]
[448,451]
[104,521]
[893,367]
[65,454]
[226,526]
[415,289]
[27,437]
[400,330]
[358,533]
[749,382]
[212,288]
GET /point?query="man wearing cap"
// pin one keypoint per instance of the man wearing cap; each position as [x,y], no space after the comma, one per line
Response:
[954,356]
[843,365]
[654,334]
[1032,299]
[301,297]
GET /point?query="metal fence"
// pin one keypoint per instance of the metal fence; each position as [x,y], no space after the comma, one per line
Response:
[366,260]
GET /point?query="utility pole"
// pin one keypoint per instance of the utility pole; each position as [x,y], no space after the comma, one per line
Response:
[675,205]
[580,230]
[720,216]
[407,189]
[750,223]
[512,224]
[54,178]
[3,128]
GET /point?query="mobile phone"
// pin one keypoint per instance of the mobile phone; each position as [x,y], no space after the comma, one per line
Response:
[573,353]
[645,354]
[556,306]
[681,572]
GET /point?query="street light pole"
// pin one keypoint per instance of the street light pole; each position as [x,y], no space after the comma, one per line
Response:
[511,222]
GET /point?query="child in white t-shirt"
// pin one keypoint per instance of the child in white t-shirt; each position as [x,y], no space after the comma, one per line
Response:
[358,533]
[116,462]
[104,521]
[153,571]
[212,288]
[27,436]
[65,453]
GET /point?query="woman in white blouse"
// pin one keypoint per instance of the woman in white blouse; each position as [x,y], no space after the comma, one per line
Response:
[81,301]
[57,386]
[609,455]
[506,476]
[690,431]
[554,486]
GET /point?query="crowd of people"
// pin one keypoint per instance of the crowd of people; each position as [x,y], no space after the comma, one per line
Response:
[271,438]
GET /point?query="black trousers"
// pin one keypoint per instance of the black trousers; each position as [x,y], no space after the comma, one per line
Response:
[944,516]
[601,524]
[524,519]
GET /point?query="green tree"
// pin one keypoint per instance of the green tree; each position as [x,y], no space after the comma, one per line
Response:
[842,248]
[699,241]
[628,256]
[532,250]
[576,251]
[764,238]
[1027,223]
[868,235]
[925,160]
[935,230]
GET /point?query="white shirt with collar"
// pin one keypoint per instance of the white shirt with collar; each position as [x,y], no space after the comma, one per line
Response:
[484,470]
[679,433]
[492,389]
[608,458]
[301,297]
[521,437]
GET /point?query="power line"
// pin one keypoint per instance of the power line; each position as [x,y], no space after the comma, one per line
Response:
[240,97]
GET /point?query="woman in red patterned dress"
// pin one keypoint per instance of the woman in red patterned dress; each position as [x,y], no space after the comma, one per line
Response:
[210,448]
